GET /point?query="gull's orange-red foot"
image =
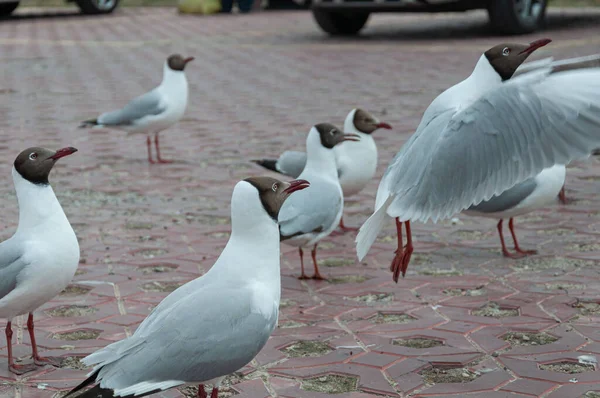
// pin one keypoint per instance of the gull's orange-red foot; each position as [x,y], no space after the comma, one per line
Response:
[22,369]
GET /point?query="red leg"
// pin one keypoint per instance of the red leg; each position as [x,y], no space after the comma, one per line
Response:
[160,160]
[505,251]
[201,391]
[16,369]
[215,392]
[149,144]
[395,266]
[514,236]
[302,275]
[408,249]
[345,228]
[37,359]
[562,197]
[313,253]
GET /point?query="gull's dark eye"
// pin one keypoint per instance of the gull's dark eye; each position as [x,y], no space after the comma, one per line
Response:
[33,156]
[506,51]
[274,187]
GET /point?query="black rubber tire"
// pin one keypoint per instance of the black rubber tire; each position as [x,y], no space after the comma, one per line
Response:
[7,8]
[91,8]
[505,19]
[340,23]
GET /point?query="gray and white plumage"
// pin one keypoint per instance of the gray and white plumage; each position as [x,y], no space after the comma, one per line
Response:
[214,325]
[135,111]
[480,138]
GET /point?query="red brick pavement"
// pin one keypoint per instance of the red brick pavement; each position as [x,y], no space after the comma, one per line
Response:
[258,83]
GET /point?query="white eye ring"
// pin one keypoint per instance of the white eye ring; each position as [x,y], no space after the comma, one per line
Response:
[274,187]
[505,51]
[33,156]
[332,132]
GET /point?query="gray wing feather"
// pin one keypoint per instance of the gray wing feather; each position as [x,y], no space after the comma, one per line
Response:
[144,105]
[589,61]
[219,340]
[511,134]
[310,209]
[11,264]
[291,163]
[507,199]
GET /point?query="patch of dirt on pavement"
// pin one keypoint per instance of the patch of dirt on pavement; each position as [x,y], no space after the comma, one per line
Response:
[336,262]
[347,279]
[157,268]
[307,348]
[567,367]
[587,307]
[75,290]
[77,335]
[331,384]
[493,310]
[584,247]
[534,264]
[436,375]
[392,318]
[71,310]
[556,232]
[373,298]
[439,272]
[528,338]
[72,363]
[137,225]
[291,325]
[284,303]
[460,291]
[469,235]
[564,286]
[151,253]
[591,394]
[418,342]
[157,286]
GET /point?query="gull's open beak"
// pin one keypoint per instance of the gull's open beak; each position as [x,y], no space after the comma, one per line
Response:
[383,126]
[296,185]
[534,45]
[61,153]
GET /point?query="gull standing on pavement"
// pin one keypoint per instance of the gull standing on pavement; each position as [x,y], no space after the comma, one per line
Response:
[214,325]
[41,258]
[356,160]
[483,136]
[154,111]
[314,213]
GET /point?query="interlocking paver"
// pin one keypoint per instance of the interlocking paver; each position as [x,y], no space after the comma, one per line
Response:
[258,83]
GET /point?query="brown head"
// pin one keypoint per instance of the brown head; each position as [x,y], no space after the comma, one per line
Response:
[34,164]
[177,62]
[366,123]
[331,135]
[506,58]
[273,192]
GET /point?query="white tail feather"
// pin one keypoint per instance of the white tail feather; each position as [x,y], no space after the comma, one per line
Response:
[370,229]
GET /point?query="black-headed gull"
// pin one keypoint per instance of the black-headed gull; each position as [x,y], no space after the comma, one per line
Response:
[41,258]
[483,136]
[314,213]
[356,160]
[214,325]
[154,111]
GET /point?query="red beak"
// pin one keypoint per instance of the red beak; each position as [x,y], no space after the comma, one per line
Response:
[188,59]
[61,153]
[534,45]
[351,137]
[296,185]
[384,126]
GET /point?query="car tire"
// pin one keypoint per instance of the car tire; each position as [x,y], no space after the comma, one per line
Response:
[339,23]
[7,8]
[510,17]
[94,7]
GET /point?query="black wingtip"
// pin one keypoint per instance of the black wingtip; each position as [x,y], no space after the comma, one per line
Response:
[85,383]
[88,123]
[270,164]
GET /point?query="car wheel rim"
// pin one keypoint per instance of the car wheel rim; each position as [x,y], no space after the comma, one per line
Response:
[529,9]
[104,5]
